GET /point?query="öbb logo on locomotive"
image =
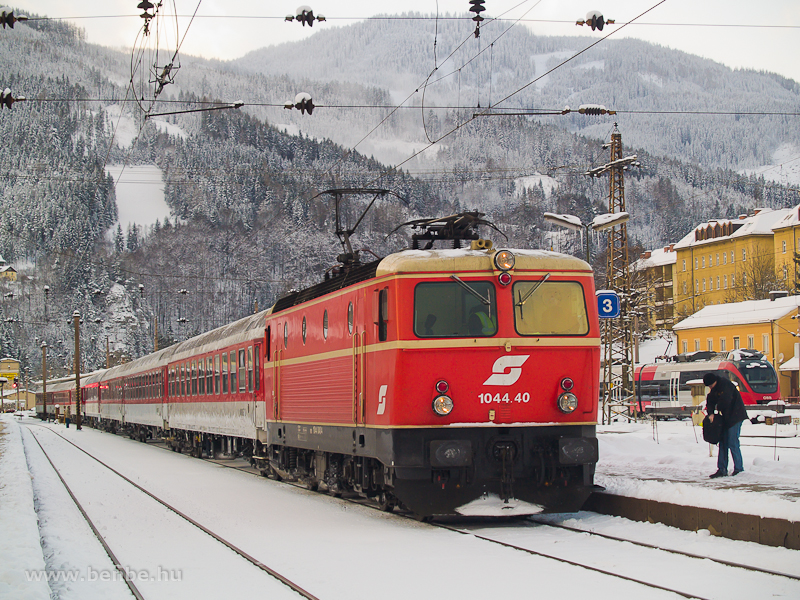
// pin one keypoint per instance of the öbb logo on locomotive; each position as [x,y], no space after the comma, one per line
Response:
[507,370]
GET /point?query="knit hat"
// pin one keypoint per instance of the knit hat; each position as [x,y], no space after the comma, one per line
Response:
[710,378]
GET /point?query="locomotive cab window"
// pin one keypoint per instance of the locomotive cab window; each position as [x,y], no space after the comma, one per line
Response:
[448,309]
[550,308]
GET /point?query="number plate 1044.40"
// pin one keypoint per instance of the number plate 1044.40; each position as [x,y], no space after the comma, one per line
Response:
[521,397]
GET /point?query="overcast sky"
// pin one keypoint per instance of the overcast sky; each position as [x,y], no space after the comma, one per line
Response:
[245,25]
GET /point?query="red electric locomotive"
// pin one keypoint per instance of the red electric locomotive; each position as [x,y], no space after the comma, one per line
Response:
[457,381]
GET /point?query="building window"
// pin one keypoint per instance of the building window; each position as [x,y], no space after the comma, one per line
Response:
[704,262]
[744,254]
[731,255]
[785,272]
[725,281]
[765,343]
[724,258]
[751,341]
[697,345]
[704,284]
[696,285]
[722,344]
[744,279]
[784,247]
[684,264]
[710,343]
[733,280]
[717,258]
[685,346]
[695,264]
[684,287]
[717,281]
[736,342]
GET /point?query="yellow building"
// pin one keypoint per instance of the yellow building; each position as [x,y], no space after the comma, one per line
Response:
[726,261]
[652,278]
[763,325]
[786,240]
[7,271]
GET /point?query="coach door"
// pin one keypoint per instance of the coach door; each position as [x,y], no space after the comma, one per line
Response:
[163,390]
[254,379]
[674,387]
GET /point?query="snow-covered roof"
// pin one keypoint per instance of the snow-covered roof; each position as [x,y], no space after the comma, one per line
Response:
[761,223]
[740,313]
[658,258]
[444,260]
[791,219]
[793,364]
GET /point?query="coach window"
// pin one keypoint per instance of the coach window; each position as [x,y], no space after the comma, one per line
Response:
[257,356]
[194,378]
[210,375]
[183,379]
[250,367]
[450,309]
[233,371]
[242,371]
[171,382]
[552,308]
[201,376]
[325,325]
[224,372]
[216,373]
[304,331]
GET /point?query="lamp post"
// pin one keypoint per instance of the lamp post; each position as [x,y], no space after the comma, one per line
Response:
[599,223]
[76,319]
[44,380]
[3,382]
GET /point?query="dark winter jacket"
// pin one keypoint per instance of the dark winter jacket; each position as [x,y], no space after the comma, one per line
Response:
[726,400]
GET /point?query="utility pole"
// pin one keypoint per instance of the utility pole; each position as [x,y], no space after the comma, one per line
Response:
[619,389]
[44,380]
[76,320]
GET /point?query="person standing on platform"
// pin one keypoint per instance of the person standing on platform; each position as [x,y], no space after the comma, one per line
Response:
[725,402]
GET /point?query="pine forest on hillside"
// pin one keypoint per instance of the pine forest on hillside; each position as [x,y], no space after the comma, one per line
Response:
[247,221]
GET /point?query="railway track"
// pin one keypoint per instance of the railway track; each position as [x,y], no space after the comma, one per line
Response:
[136,592]
[487,532]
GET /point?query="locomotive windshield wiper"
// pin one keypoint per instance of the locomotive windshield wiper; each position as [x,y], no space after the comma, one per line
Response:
[487,301]
[522,300]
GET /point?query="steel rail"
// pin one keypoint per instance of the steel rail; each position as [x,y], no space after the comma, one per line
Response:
[221,540]
[721,561]
[131,586]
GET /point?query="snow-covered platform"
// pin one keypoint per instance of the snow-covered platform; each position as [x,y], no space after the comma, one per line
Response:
[662,470]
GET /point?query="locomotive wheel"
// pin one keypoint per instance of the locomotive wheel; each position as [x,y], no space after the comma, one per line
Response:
[386,502]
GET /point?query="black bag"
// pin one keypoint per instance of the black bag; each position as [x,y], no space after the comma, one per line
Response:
[712,430]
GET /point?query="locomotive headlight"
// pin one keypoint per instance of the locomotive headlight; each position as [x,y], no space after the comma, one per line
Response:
[442,405]
[504,260]
[567,402]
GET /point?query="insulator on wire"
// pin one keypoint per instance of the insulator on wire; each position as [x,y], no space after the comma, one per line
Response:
[7,100]
[305,15]
[302,102]
[477,8]
[595,20]
[8,18]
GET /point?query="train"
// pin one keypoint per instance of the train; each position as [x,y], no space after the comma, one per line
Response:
[446,381]
[664,385]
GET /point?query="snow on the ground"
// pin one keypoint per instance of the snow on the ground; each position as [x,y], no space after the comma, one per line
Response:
[664,461]
[140,196]
[785,168]
[315,540]
[662,345]
[20,547]
[549,184]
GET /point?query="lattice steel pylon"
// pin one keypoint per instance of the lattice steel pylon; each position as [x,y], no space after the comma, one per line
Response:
[619,392]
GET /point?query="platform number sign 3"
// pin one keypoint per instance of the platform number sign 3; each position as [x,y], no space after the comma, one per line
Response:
[607,304]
